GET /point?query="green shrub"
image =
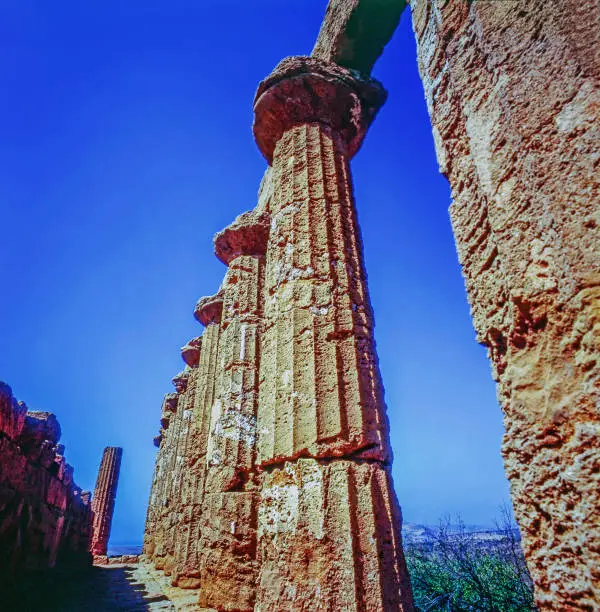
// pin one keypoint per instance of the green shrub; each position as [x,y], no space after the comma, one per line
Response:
[459,571]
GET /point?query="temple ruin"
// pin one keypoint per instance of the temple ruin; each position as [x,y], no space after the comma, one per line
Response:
[45,517]
[513,94]
[272,487]
[103,501]
[276,438]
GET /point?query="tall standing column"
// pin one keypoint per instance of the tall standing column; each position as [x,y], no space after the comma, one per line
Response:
[328,521]
[155,519]
[513,91]
[103,501]
[187,567]
[178,428]
[227,549]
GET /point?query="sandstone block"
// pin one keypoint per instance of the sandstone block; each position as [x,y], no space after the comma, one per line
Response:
[329,538]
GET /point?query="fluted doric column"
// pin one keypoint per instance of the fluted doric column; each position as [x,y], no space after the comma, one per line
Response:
[190,495]
[178,426]
[155,516]
[231,445]
[227,546]
[328,521]
[103,501]
[183,482]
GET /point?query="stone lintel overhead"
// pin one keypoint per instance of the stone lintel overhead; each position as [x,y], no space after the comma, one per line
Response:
[303,90]
[247,235]
[354,32]
[208,309]
[190,352]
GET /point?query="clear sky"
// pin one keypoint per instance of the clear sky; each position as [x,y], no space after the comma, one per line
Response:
[126,144]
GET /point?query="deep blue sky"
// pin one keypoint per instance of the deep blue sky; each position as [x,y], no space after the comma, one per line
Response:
[126,144]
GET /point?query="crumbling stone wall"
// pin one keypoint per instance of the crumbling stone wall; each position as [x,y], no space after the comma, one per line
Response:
[513,93]
[45,517]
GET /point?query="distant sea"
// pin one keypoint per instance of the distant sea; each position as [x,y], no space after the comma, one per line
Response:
[124,549]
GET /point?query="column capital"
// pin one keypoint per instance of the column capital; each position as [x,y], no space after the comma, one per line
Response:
[170,402]
[165,420]
[190,352]
[180,381]
[208,309]
[305,90]
[247,235]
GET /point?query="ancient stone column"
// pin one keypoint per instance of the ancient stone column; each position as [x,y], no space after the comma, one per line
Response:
[186,568]
[328,520]
[514,97]
[231,446]
[103,501]
[156,518]
[207,312]
[183,481]
[227,548]
[178,430]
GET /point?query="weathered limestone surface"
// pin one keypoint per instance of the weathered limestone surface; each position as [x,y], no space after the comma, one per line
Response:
[45,517]
[513,94]
[329,536]
[283,497]
[277,495]
[328,530]
[354,32]
[103,502]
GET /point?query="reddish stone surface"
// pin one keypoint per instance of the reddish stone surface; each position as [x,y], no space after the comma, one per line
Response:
[208,309]
[272,486]
[514,98]
[190,352]
[247,235]
[45,517]
[103,501]
[304,90]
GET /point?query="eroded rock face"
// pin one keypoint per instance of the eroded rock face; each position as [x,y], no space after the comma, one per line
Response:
[514,100]
[45,517]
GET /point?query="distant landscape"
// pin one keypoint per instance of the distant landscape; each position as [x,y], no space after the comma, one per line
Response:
[468,567]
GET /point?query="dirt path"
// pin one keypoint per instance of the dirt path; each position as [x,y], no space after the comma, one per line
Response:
[110,588]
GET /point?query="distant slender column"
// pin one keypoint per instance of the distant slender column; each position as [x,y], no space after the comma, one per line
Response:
[103,501]
[328,522]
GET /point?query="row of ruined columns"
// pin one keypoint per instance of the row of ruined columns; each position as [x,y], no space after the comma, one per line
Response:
[272,487]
